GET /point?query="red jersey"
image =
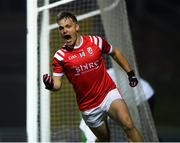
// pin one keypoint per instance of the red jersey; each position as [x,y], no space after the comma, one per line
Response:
[85,68]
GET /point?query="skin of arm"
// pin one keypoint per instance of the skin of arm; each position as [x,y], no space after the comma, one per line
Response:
[57,82]
[117,55]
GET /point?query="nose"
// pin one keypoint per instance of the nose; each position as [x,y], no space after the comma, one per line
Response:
[64,31]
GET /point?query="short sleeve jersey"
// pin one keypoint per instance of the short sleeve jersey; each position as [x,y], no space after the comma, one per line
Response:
[84,67]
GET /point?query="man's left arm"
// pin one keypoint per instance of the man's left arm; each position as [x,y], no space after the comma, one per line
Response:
[117,55]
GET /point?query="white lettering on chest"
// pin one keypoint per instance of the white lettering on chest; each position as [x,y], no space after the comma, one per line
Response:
[72,57]
[82,54]
[87,66]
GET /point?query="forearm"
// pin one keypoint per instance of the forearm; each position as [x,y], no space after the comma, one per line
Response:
[52,83]
[121,60]
[57,83]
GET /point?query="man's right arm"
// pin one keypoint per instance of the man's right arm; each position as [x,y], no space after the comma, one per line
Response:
[52,83]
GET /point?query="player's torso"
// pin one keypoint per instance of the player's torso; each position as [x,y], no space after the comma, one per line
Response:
[85,69]
[82,60]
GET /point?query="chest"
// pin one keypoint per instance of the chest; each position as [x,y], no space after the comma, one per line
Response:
[86,54]
[86,58]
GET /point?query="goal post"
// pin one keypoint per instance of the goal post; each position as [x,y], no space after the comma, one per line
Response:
[54,116]
[32,72]
[44,68]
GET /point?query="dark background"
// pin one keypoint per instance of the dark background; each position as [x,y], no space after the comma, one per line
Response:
[12,70]
[155,27]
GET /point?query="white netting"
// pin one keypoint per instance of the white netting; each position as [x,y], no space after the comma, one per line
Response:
[117,31]
[112,24]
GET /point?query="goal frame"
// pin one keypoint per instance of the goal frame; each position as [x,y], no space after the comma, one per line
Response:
[35,89]
[38,58]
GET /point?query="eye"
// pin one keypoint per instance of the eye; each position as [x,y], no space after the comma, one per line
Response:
[68,26]
[60,28]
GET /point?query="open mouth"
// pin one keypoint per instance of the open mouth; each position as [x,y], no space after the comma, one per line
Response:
[68,40]
[67,37]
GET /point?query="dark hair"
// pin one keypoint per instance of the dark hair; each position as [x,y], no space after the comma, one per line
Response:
[63,15]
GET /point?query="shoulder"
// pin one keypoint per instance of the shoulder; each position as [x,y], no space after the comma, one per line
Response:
[60,54]
[95,39]
[92,38]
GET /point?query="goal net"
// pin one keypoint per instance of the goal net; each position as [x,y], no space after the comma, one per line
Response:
[54,116]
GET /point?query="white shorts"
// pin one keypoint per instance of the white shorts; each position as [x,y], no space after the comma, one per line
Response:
[95,117]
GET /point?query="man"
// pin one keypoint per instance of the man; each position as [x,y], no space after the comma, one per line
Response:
[148,92]
[80,59]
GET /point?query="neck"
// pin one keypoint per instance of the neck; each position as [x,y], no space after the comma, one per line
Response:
[78,40]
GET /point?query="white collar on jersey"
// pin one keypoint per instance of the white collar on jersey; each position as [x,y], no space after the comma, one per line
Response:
[81,42]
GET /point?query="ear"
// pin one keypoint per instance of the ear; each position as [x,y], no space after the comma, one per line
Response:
[77,27]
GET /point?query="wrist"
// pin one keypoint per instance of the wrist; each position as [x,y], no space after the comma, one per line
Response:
[131,73]
[132,78]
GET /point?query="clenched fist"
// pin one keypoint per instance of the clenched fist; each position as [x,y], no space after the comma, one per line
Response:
[132,79]
[48,81]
